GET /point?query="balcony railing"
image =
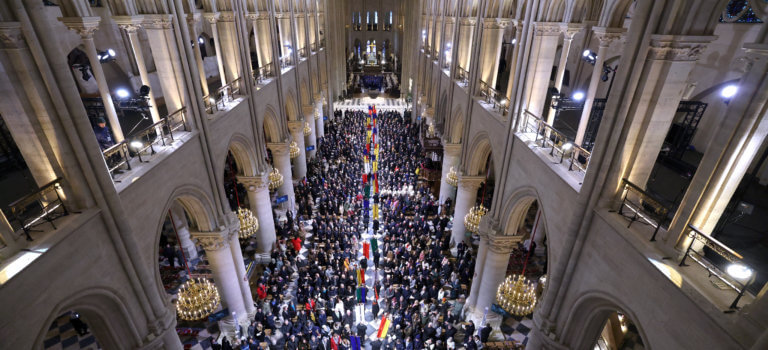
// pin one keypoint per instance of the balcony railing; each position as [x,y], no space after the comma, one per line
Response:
[644,207]
[723,251]
[498,101]
[303,52]
[264,72]
[119,156]
[44,205]
[462,76]
[549,137]
[225,94]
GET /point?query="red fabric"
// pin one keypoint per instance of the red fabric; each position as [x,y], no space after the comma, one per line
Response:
[261,291]
[366,249]
[296,243]
[334,345]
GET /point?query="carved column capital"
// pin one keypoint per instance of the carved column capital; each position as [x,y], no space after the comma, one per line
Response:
[570,29]
[496,23]
[503,244]
[608,35]
[84,26]
[158,21]
[296,126]
[678,47]
[278,148]
[254,183]
[193,18]
[212,17]
[212,241]
[471,182]
[226,16]
[130,24]
[450,20]
[451,149]
[11,36]
[547,28]
[467,21]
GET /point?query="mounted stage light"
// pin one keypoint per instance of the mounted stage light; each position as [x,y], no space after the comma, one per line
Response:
[122,93]
[589,57]
[578,96]
[729,91]
[739,271]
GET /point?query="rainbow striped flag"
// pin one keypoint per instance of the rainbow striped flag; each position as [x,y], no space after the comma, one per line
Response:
[360,277]
[383,327]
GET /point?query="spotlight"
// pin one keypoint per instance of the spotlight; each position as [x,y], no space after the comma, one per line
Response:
[137,145]
[201,40]
[739,271]
[514,41]
[106,56]
[729,91]
[585,53]
[589,56]
[578,96]
[122,93]
[567,146]
[111,52]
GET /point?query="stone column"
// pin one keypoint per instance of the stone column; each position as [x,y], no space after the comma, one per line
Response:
[606,37]
[450,24]
[311,140]
[296,128]
[212,18]
[131,25]
[165,51]
[466,196]
[261,206]
[545,40]
[493,34]
[731,152]
[666,70]
[192,20]
[282,162]
[284,23]
[495,270]
[182,230]
[451,154]
[85,26]
[466,33]
[239,264]
[569,30]
[482,251]
[319,122]
[219,254]
[515,56]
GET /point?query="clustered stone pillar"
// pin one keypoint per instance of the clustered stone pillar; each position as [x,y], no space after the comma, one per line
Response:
[482,251]
[466,196]
[131,25]
[466,32]
[182,230]
[241,274]
[495,270]
[213,18]
[85,26]
[282,162]
[451,153]
[606,36]
[192,20]
[569,30]
[227,42]
[166,53]
[261,206]
[262,40]
[219,254]
[296,128]
[319,122]
[310,140]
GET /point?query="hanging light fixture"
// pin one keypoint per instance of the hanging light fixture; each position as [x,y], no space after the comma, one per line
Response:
[293,149]
[452,178]
[275,180]
[197,297]
[307,129]
[472,219]
[249,224]
[517,295]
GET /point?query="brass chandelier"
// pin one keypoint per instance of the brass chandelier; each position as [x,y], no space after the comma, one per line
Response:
[307,129]
[293,149]
[275,180]
[197,299]
[472,219]
[516,295]
[452,178]
[249,224]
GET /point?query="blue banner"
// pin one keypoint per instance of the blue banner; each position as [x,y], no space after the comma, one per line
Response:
[281,199]
[325,117]
[310,148]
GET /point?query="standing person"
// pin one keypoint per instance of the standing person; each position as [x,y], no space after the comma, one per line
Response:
[103,135]
[375,309]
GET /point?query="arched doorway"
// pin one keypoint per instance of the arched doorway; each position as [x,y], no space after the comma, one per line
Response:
[70,330]
[619,333]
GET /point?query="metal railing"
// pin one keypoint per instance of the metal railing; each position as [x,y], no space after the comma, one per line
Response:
[263,73]
[44,205]
[548,136]
[462,75]
[643,207]
[218,100]
[118,157]
[499,101]
[726,253]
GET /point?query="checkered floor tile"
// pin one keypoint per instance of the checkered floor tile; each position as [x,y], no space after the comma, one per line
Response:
[517,328]
[61,335]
